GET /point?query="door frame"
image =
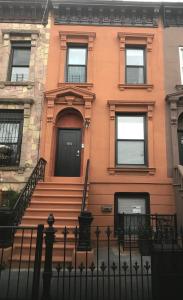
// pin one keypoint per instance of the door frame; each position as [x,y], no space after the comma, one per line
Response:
[179,131]
[56,150]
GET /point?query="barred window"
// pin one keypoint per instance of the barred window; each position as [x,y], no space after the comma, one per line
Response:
[11,127]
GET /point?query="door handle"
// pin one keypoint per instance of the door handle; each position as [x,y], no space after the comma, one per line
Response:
[78,153]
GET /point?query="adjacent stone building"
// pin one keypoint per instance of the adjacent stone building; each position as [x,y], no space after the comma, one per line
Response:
[24,43]
[173,78]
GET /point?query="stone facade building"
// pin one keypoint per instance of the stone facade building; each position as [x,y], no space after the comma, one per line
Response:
[24,43]
[173,62]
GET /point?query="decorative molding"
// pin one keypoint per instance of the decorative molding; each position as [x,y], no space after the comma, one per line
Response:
[126,170]
[127,106]
[28,84]
[24,11]
[135,39]
[66,36]
[24,35]
[173,15]
[69,96]
[72,90]
[16,101]
[80,85]
[175,106]
[130,103]
[144,106]
[76,37]
[106,15]
[147,87]
[27,110]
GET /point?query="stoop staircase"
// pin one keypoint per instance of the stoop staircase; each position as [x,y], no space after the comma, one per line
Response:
[64,201]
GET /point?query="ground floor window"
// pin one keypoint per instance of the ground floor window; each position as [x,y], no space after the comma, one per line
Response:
[131,211]
[11,128]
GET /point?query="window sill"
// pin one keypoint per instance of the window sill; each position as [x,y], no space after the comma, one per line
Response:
[28,84]
[76,84]
[129,170]
[147,87]
[18,169]
[179,87]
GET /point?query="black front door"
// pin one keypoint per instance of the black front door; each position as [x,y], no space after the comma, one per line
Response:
[68,154]
[180,141]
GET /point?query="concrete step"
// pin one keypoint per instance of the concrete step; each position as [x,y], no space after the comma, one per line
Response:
[35,220]
[50,198]
[63,185]
[57,212]
[56,204]
[28,261]
[40,203]
[58,249]
[58,191]
[29,238]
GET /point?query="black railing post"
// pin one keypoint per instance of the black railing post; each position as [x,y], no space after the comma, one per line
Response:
[175,228]
[37,262]
[47,273]
[85,220]
[85,187]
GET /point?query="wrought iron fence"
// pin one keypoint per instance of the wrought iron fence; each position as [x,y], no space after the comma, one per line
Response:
[106,269]
[20,263]
[159,227]
[56,269]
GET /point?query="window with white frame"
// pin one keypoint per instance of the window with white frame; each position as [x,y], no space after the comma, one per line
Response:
[130,139]
[76,64]
[135,65]
[181,63]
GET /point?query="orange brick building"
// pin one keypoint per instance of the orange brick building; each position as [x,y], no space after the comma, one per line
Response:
[105,101]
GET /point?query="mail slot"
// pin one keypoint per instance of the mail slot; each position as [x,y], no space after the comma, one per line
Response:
[106,208]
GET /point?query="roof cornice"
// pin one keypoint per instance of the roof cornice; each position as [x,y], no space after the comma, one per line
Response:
[106,13]
[24,11]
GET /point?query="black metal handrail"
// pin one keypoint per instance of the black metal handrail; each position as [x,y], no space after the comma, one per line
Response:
[25,195]
[83,205]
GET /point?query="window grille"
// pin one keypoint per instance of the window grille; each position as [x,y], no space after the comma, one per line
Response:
[11,127]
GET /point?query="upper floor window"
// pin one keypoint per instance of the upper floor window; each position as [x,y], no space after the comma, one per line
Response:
[130,141]
[135,65]
[19,63]
[76,64]
[11,127]
[181,63]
